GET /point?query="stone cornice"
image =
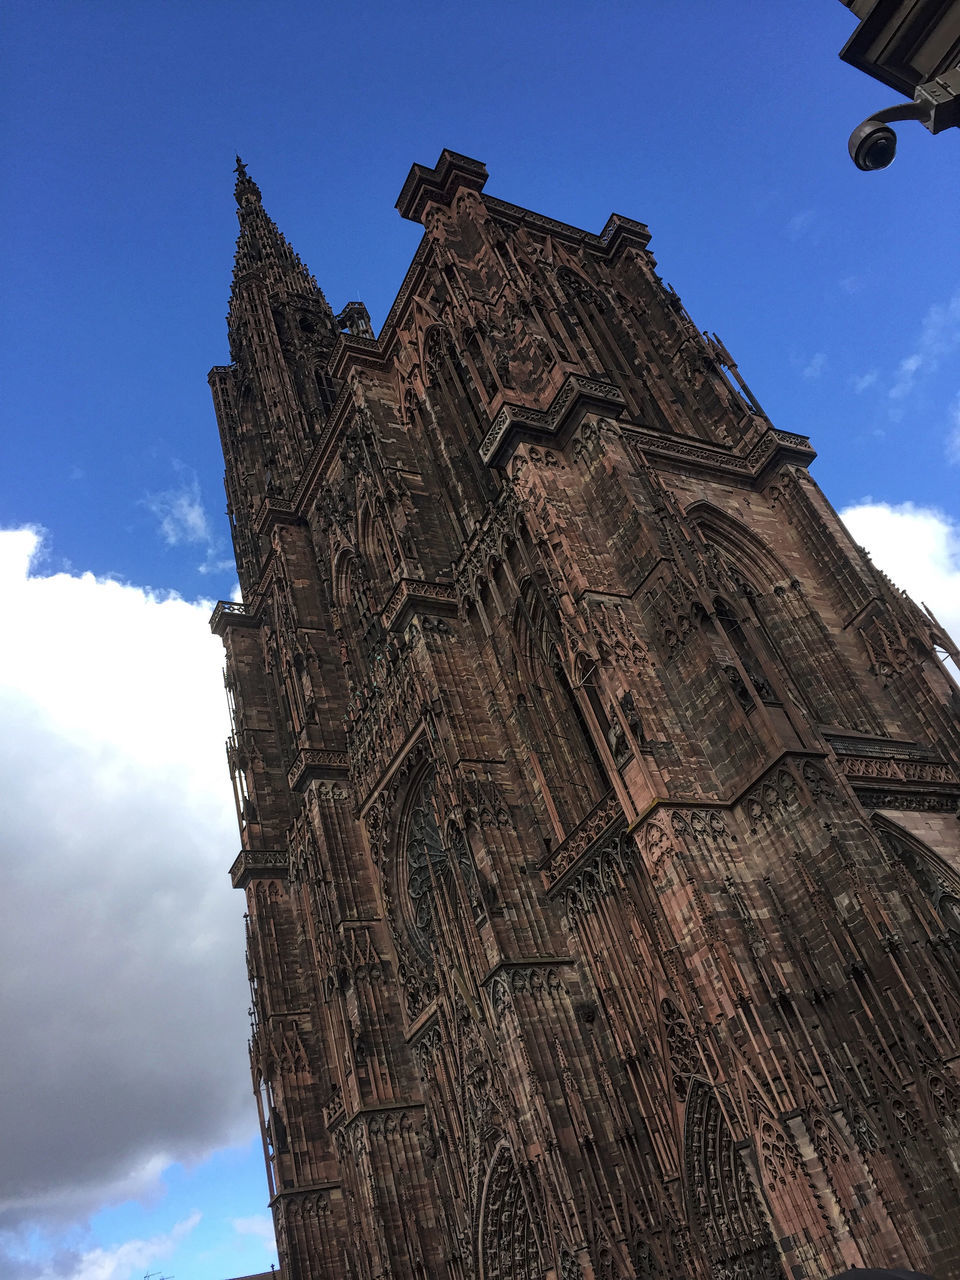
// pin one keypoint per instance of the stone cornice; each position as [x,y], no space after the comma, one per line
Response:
[850,744]
[530,962]
[515,422]
[321,1191]
[864,770]
[616,229]
[771,450]
[878,783]
[438,185]
[274,511]
[354,348]
[370,1113]
[605,820]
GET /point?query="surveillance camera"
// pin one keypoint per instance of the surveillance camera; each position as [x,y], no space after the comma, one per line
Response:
[872,145]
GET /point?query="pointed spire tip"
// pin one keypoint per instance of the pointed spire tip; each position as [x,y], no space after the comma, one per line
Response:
[246,190]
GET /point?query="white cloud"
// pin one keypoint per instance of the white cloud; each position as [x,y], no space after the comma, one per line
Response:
[259,1225]
[918,548]
[800,224]
[127,1261]
[180,512]
[865,381]
[816,365]
[182,520]
[953,435]
[124,989]
[939,334]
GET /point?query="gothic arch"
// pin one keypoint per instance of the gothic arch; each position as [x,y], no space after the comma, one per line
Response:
[575,285]
[747,553]
[507,1243]
[726,1214]
[937,879]
[343,568]
[437,344]
[684,1062]
[458,404]
[537,635]
[420,861]
[432,864]
[366,525]
[374,544]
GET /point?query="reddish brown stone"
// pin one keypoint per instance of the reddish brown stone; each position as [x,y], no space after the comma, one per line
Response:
[597,794]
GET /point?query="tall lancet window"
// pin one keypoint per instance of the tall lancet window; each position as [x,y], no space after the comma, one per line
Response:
[551,720]
[458,405]
[750,660]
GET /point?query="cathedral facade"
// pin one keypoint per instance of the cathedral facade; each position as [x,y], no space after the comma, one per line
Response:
[598,797]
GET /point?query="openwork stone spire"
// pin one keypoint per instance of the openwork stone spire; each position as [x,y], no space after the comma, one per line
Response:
[262,249]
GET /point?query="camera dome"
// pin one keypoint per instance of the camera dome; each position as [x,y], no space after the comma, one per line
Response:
[872,145]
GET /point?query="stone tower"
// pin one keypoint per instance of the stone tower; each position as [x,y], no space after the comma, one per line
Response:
[598,797]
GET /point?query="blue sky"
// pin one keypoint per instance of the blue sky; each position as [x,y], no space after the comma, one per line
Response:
[721,125]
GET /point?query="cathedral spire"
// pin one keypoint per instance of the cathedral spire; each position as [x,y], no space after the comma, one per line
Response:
[262,249]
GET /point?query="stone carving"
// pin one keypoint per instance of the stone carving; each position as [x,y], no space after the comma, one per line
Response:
[536,980]
[724,1200]
[508,1243]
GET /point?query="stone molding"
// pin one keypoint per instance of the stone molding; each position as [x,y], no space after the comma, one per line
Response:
[438,185]
[230,613]
[879,748]
[605,820]
[517,422]
[769,452]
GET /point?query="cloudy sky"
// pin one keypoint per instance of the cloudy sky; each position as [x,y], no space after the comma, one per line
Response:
[128,1126]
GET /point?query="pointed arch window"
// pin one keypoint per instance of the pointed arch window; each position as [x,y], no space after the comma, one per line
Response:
[328,391]
[551,719]
[741,645]
[458,402]
[938,883]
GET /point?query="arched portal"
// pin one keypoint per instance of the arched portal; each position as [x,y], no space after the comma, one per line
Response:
[725,1209]
[508,1245]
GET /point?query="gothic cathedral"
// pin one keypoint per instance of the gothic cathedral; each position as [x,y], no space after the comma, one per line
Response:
[598,797]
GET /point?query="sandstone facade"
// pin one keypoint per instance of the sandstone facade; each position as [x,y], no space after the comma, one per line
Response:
[598,796]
